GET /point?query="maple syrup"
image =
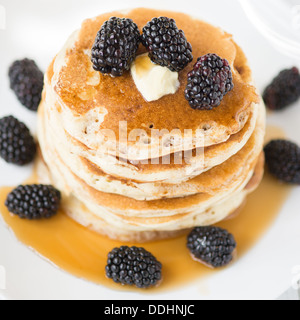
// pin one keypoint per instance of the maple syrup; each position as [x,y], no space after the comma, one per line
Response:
[83,253]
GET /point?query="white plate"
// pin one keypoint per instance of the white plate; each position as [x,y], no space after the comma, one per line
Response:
[37,29]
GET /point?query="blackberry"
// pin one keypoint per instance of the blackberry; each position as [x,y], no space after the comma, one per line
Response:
[284,90]
[133,266]
[209,81]
[26,80]
[212,246]
[115,46]
[167,45]
[17,145]
[33,202]
[283,160]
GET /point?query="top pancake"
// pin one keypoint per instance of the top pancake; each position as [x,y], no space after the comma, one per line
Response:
[80,91]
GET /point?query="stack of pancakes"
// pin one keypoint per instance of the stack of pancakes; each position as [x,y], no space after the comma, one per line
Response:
[137,170]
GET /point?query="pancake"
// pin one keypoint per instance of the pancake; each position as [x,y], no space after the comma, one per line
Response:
[92,104]
[104,204]
[226,175]
[80,213]
[174,168]
[123,165]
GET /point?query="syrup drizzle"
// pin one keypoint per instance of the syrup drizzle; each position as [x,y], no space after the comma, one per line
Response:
[83,253]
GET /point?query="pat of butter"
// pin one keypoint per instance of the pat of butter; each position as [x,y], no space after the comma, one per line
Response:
[152,80]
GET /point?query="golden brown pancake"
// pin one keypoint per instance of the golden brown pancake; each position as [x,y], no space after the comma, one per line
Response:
[174,168]
[134,199]
[123,102]
[217,179]
[79,212]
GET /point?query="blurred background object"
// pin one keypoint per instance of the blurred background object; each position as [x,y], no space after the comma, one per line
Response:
[278,21]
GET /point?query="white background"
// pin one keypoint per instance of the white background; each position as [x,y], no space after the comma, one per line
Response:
[37,29]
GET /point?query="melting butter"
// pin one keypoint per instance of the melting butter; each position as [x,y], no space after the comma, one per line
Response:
[152,80]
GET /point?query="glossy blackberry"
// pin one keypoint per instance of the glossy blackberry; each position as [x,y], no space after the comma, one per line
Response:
[33,202]
[284,90]
[27,81]
[133,266]
[167,45]
[212,246]
[17,145]
[115,46]
[283,160]
[208,83]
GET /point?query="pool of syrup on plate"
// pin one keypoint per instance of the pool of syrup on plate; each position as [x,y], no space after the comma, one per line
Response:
[83,253]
